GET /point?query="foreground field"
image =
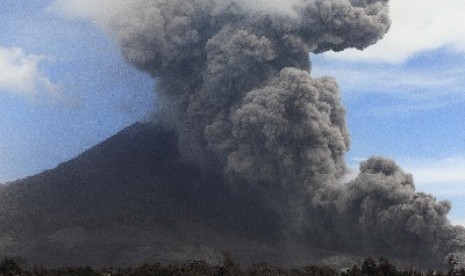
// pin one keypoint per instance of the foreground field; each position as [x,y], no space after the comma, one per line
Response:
[10,267]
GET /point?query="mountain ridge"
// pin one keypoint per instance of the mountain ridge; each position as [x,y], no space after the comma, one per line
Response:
[131,199]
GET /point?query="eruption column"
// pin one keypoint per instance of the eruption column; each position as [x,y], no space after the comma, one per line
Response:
[233,78]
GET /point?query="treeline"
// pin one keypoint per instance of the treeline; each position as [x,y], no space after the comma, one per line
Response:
[9,267]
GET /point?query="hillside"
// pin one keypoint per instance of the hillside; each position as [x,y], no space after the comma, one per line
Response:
[130,199]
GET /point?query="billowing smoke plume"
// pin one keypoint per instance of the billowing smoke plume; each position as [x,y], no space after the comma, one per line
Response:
[380,211]
[233,78]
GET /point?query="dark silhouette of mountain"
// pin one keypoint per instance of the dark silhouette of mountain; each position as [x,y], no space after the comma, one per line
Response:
[131,199]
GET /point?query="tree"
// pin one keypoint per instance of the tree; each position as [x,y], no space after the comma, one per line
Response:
[8,267]
[386,268]
[354,271]
[369,267]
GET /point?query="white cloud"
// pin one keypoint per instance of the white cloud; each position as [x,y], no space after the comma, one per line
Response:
[417,25]
[460,222]
[415,88]
[441,177]
[373,79]
[20,74]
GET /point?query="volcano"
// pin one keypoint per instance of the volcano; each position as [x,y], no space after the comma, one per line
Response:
[131,199]
[250,160]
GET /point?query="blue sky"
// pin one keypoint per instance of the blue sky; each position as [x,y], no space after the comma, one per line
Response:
[93,94]
[64,88]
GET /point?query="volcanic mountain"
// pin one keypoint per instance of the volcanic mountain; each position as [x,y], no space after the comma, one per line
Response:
[131,199]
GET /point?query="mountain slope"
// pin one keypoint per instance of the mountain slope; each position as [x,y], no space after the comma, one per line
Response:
[130,199]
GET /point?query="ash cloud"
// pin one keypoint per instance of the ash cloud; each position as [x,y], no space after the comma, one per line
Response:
[380,211]
[233,78]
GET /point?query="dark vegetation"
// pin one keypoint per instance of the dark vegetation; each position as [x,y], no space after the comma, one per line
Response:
[10,267]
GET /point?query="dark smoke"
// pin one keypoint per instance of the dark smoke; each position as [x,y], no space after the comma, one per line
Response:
[380,212]
[237,78]
[233,78]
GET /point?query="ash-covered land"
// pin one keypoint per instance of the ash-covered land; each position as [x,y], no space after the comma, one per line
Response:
[245,153]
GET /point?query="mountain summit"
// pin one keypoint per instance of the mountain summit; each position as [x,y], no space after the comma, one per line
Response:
[128,200]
